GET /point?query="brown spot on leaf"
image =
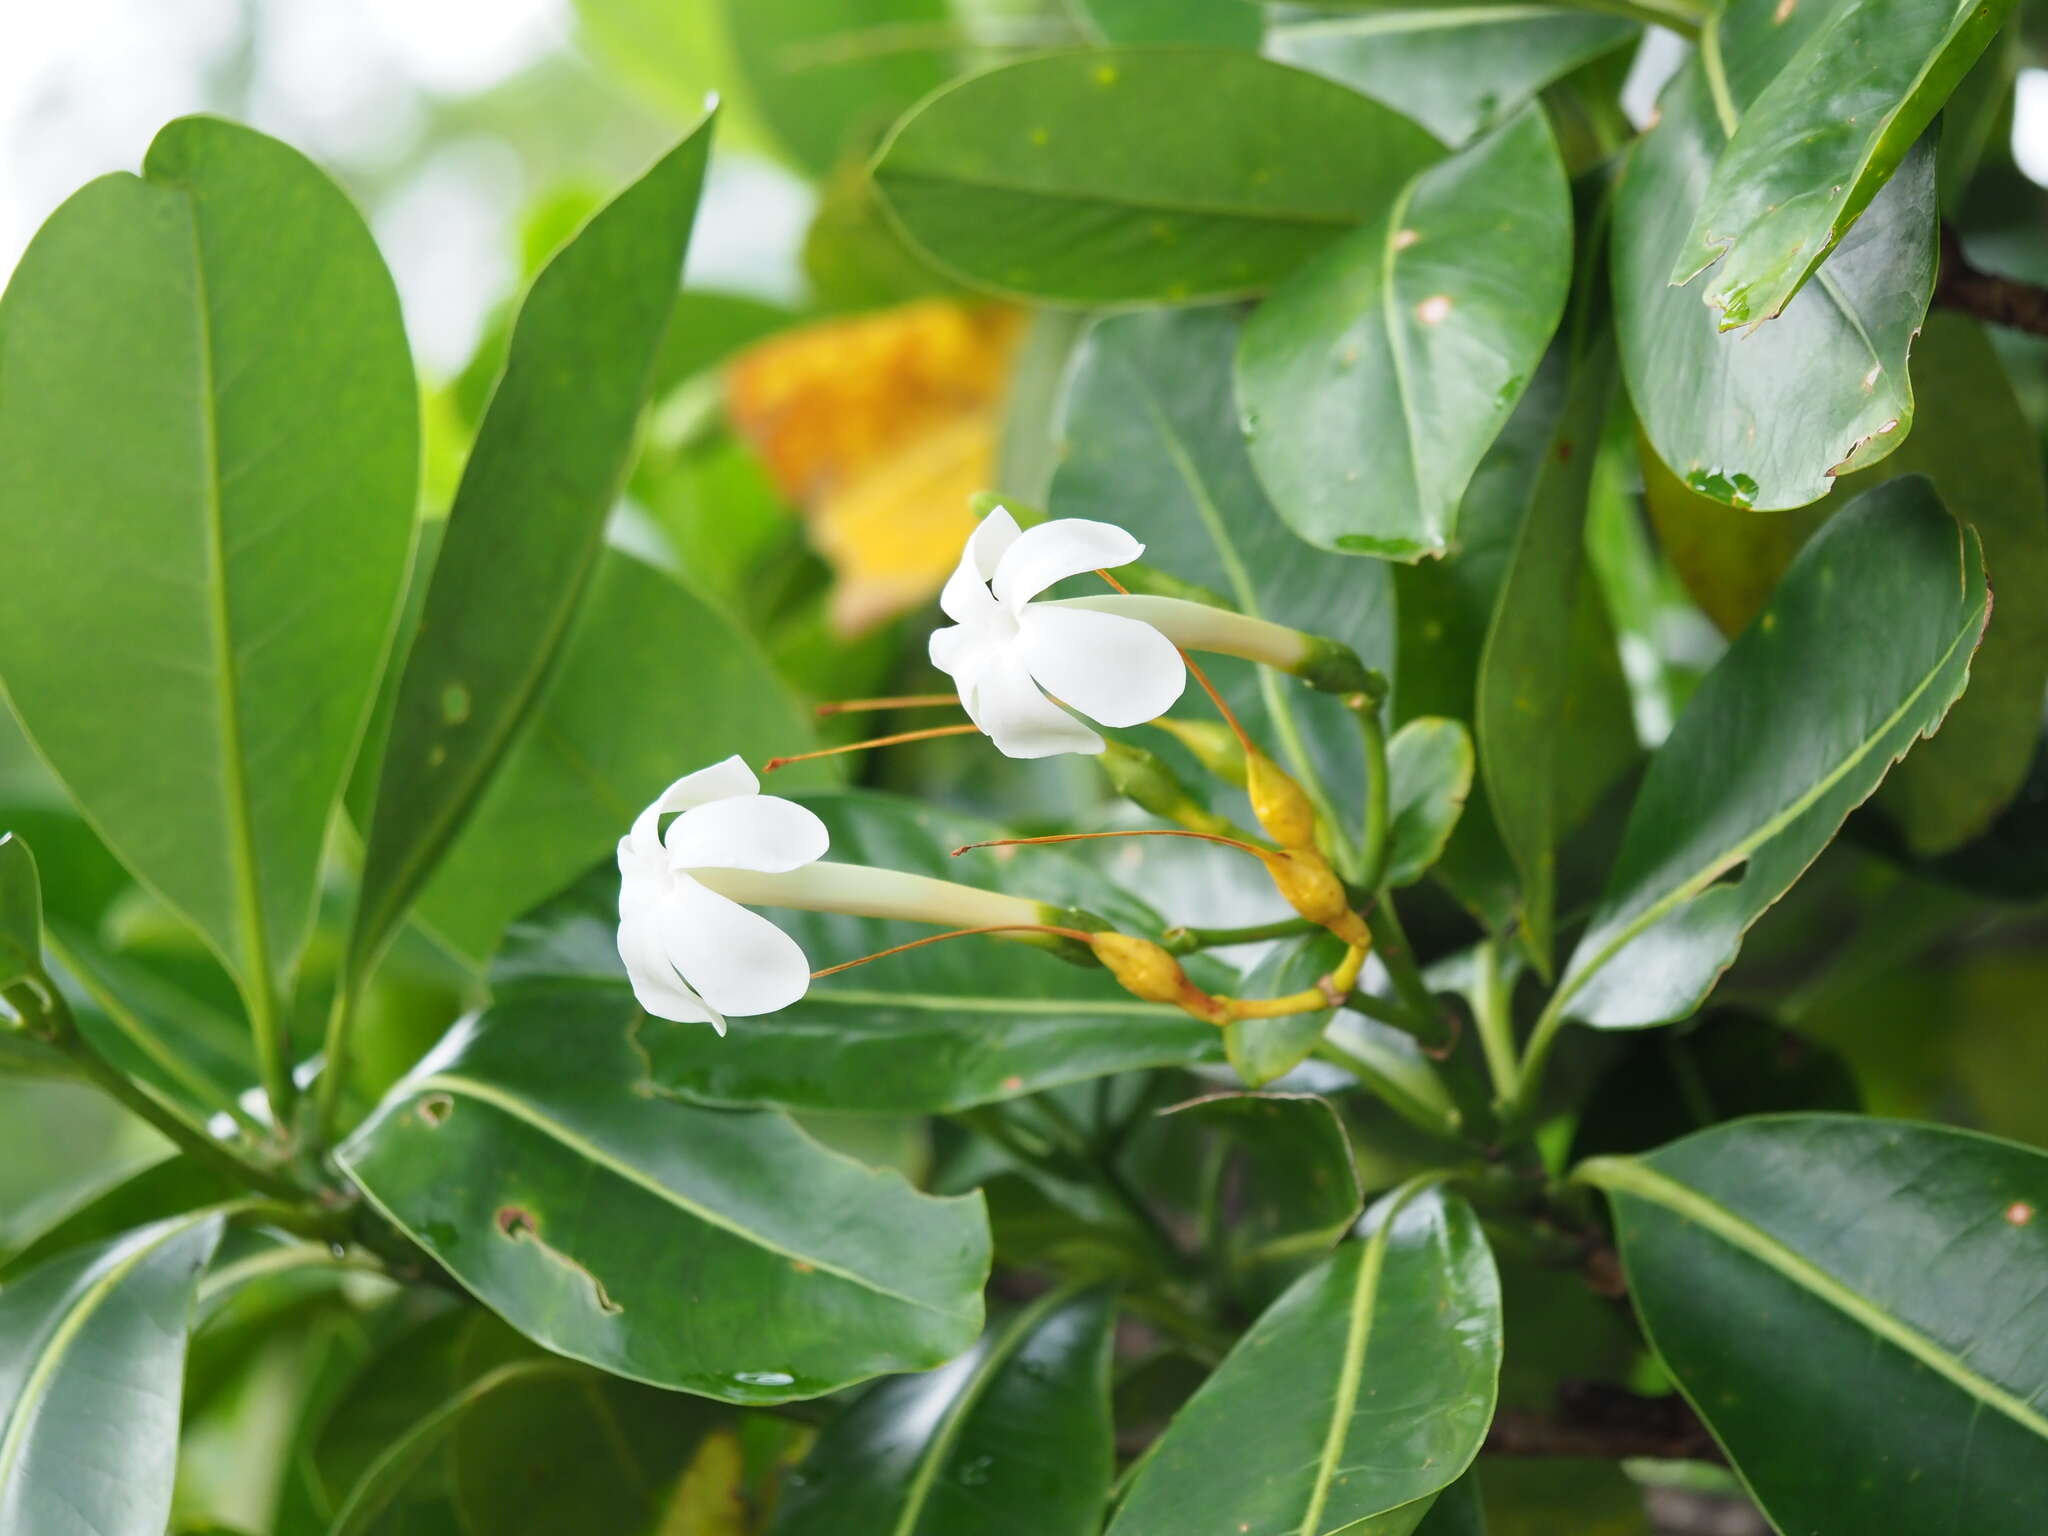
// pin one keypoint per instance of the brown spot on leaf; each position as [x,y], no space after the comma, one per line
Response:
[1784,11]
[519,1225]
[516,1222]
[1433,309]
[435,1107]
[2019,1213]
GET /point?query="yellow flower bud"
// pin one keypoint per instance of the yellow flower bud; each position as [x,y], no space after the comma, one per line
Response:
[1280,804]
[1145,970]
[1304,878]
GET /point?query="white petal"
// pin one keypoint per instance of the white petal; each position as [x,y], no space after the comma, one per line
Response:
[965,598]
[1056,550]
[1111,669]
[965,655]
[761,832]
[721,781]
[1019,719]
[656,986]
[737,960]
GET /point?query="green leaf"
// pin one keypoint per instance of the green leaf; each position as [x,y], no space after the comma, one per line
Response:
[1376,376]
[1363,1391]
[1152,445]
[1765,420]
[1458,71]
[1011,1439]
[170,1186]
[651,682]
[713,1251]
[21,912]
[826,75]
[938,1029]
[1261,1050]
[1887,1280]
[1817,143]
[1524,688]
[1862,650]
[527,527]
[1083,178]
[1457,1510]
[1214,23]
[206,398]
[1429,776]
[1300,1186]
[92,1351]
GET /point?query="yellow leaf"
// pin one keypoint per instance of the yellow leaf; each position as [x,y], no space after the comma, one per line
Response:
[880,427]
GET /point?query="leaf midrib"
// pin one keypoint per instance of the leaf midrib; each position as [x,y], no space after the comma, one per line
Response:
[1301,217]
[597,1156]
[1631,1177]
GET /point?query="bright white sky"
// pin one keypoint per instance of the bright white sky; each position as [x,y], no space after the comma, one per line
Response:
[85,84]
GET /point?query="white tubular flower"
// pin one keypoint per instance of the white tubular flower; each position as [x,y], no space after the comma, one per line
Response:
[1006,653]
[694,955]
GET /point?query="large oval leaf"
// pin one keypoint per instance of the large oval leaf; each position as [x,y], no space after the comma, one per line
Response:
[1862,650]
[1083,178]
[1887,1281]
[92,1355]
[206,403]
[1765,420]
[1361,1392]
[720,1252]
[1152,445]
[1819,141]
[526,528]
[1012,1439]
[1376,376]
[940,1028]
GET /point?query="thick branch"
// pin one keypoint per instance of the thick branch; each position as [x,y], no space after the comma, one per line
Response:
[1999,300]
[1597,1421]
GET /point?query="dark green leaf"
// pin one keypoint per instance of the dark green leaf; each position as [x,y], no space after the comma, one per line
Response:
[526,528]
[92,1349]
[1011,1439]
[1862,650]
[1361,1392]
[1377,375]
[1429,777]
[169,1187]
[1457,1510]
[1083,178]
[1264,1049]
[1765,420]
[1456,70]
[940,1028]
[1887,1280]
[720,1252]
[21,912]
[1298,1190]
[1820,140]
[207,397]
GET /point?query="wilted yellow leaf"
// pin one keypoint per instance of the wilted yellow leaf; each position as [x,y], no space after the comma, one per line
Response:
[880,428]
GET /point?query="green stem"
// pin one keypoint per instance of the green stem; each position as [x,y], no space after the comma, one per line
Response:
[334,1057]
[273,1068]
[1185,941]
[1425,1021]
[1535,1057]
[1493,1015]
[1405,1086]
[1372,854]
[52,1023]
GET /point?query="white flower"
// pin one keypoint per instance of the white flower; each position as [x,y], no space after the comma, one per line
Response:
[694,955]
[1002,649]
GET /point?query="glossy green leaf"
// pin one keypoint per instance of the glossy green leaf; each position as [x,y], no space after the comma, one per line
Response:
[168,1187]
[1375,377]
[1359,1395]
[1429,776]
[1862,650]
[1817,143]
[1012,1439]
[940,1028]
[92,1351]
[205,396]
[1297,1190]
[1152,445]
[1765,420]
[1889,1281]
[1524,686]
[1215,23]
[714,1251]
[527,527]
[1457,70]
[651,683]
[1083,178]
[1264,1049]
[827,75]
[21,912]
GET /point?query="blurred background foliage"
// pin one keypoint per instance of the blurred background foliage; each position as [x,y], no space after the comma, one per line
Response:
[825,406]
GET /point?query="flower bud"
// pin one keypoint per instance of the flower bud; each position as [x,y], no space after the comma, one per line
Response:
[1211,743]
[1145,970]
[1281,806]
[1308,884]
[1144,779]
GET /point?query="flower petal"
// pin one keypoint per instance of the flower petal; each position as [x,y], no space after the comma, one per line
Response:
[1019,719]
[965,598]
[1112,669]
[965,654]
[1054,551]
[738,961]
[762,832]
[656,986]
[721,781]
